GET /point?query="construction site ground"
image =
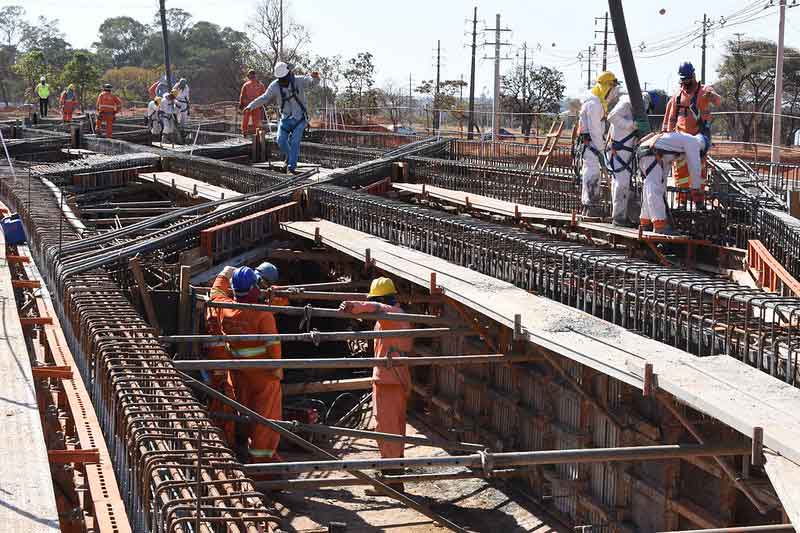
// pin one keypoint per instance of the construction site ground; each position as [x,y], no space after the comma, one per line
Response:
[484,506]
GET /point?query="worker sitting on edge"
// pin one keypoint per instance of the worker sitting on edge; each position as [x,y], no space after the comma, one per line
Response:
[258,389]
[291,90]
[689,112]
[591,130]
[108,105]
[152,119]
[69,103]
[391,386]
[251,90]
[268,276]
[620,159]
[182,101]
[656,152]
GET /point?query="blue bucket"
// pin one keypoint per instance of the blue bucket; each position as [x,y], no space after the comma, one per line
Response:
[13,230]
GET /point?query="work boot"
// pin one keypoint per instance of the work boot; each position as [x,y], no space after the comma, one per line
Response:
[666,230]
[624,223]
[594,211]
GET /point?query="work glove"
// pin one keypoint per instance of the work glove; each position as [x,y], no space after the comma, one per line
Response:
[642,127]
[227,272]
[345,307]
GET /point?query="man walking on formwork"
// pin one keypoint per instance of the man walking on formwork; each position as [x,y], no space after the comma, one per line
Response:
[391,386]
[291,90]
[108,105]
[69,103]
[258,389]
[689,112]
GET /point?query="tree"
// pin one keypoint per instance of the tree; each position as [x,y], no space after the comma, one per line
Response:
[394,99]
[445,99]
[330,72]
[266,35]
[12,24]
[131,83]
[214,61]
[30,66]
[122,41]
[531,91]
[359,75]
[177,21]
[83,72]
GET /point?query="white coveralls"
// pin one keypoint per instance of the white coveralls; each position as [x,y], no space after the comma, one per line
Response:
[672,146]
[182,104]
[591,122]
[166,115]
[152,118]
[619,156]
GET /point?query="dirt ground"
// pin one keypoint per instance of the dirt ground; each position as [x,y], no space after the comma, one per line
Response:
[471,503]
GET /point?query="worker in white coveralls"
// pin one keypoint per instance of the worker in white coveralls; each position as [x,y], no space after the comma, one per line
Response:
[657,152]
[182,101]
[619,156]
[591,130]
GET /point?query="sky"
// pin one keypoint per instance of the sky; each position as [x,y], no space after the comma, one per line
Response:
[402,35]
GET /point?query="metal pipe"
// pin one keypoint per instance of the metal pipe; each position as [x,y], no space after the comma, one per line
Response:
[507,459]
[742,529]
[347,362]
[306,484]
[318,336]
[320,312]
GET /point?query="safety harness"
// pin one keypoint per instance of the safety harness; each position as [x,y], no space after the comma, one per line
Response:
[648,148]
[692,107]
[292,96]
[620,146]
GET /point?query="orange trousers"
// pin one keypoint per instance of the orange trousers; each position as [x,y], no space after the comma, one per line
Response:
[253,116]
[222,381]
[67,113]
[108,118]
[680,172]
[261,392]
[389,404]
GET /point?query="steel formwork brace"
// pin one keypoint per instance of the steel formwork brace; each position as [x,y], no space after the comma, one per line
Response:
[349,362]
[318,336]
[311,312]
[313,448]
[489,461]
[318,483]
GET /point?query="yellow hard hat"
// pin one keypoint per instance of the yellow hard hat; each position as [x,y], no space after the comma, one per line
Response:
[71,86]
[607,78]
[157,100]
[381,287]
[174,93]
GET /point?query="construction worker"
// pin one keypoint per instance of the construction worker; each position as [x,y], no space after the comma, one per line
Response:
[391,386]
[656,152]
[291,90]
[251,90]
[258,389]
[167,115]
[43,92]
[591,129]
[620,159]
[689,112]
[268,276]
[108,105]
[152,119]
[69,103]
[182,101]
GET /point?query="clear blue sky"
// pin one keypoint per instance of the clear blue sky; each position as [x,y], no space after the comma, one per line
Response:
[402,34]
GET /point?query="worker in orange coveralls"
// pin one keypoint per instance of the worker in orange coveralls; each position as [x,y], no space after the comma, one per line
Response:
[258,389]
[268,276]
[390,386]
[69,103]
[689,112]
[108,105]
[251,90]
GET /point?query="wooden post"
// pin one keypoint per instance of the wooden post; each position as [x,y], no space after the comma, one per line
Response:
[144,293]
[183,305]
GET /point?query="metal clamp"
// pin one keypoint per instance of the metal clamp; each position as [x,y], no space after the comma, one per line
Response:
[487,462]
[306,320]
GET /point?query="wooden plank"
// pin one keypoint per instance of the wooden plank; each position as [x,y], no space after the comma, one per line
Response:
[188,186]
[724,388]
[28,500]
[334,385]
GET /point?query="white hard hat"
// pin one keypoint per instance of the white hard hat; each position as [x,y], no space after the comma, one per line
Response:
[281,69]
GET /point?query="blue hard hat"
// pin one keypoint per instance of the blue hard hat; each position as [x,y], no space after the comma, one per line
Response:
[268,271]
[686,71]
[244,279]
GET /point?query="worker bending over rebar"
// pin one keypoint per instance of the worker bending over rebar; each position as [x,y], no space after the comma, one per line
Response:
[391,386]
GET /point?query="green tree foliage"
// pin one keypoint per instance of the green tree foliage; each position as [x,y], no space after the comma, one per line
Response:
[266,36]
[122,41]
[537,89]
[131,83]
[82,71]
[359,77]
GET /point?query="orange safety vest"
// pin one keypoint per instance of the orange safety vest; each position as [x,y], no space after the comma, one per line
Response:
[108,103]
[251,90]
[687,111]
[68,103]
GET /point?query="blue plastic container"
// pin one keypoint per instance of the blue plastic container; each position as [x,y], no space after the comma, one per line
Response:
[13,230]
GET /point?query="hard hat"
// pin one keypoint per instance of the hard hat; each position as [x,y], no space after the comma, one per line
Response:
[173,93]
[182,82]
[281,69]
[157,100]
[71,86]
[251,72]
[107,86]
[42,78]
[607,78]
[244,279]
[268,271]
[381,287]
[686,71]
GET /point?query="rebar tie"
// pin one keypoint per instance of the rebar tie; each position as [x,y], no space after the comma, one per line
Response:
[314,336]
[487,462]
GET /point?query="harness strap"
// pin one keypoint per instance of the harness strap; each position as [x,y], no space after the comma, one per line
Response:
[292,96]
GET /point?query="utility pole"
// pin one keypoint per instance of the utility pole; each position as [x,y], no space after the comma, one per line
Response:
[438,81]
[626,58]
[706,25]
[280,47]
[605,33]
[778,107]
[524,81]
[410,102]
[590,51]
[471,125]
[167,65]
[496,101]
